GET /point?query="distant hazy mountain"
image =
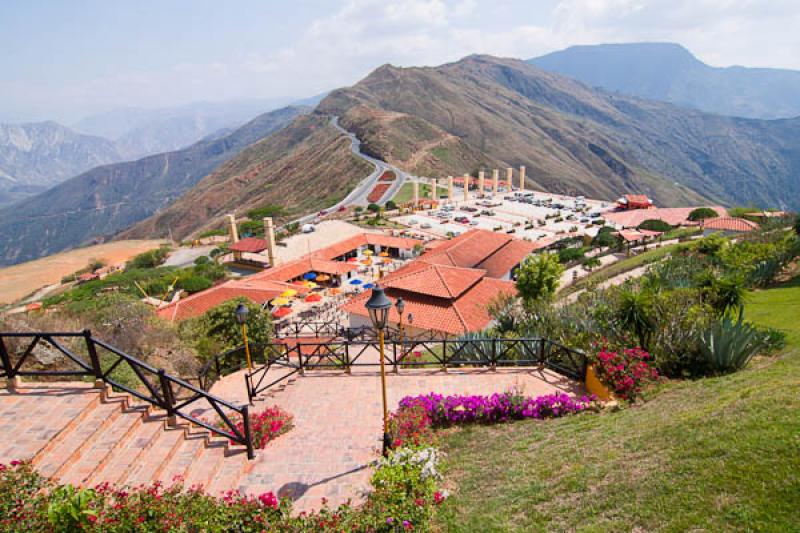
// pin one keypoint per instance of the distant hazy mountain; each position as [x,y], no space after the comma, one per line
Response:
[36,156]
[139,132]
[670,73]
[109,198]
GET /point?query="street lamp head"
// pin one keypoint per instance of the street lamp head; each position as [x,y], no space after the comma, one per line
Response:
[241,313]
[378,307]
[410,318]
[400,305]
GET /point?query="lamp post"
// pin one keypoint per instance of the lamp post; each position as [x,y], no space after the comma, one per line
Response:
[241,318]
[378,307]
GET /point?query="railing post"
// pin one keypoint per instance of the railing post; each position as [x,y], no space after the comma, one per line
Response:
[347,365]
[12,380]
[248,436]
[394,353]
[300,365]
[444,355]
[94,359]
[541,352]
[248,382]
[169,400]
[494,355]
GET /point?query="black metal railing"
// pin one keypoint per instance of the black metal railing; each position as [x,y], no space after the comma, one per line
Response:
[106,363]
[344,354]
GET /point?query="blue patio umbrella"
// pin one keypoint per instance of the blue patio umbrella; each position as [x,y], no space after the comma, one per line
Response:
[309,276]
[356,282]
[368,286]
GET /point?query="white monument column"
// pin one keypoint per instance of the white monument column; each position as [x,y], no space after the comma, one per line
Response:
[481,182]
[450,188]
[510,178]
[415,185]
[522,178]
[434,195]
[495,180]
[467,179]
[233,230]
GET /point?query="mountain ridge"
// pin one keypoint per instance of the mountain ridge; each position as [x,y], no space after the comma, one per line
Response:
[671,73]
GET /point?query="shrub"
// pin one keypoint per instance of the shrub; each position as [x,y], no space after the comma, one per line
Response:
[194,284]
[655,224]
[221,232]
[268,210]
[390,205]
[567,255]
[538,277]
[374,208]
[217,331]
[728,346]
[150,259]
[265,426]
[626,371]
[605,238]
[702,213]
[251,228]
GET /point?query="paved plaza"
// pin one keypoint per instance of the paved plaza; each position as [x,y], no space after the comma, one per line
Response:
[337,420]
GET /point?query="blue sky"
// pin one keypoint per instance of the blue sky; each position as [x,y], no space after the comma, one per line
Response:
[64,59]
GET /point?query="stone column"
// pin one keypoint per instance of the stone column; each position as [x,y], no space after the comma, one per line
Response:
[467,179]
[233,230]
[415,185]
[522,178]
[509,178]
[495,180]
[450,188]
[269,235]
[434,192]
[481,182]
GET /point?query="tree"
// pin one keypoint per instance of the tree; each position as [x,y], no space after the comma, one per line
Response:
[633,313]
[150,259]
[702,213]
[655,224]
[390,205]
[374,208]
[797,225]
[538,277]
[252,227]
[268,210]
[727,294]
[217,331]
[605,238]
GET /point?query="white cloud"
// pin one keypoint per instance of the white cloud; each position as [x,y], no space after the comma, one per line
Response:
[341,48]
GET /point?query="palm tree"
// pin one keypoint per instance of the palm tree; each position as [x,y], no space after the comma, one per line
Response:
[633,313]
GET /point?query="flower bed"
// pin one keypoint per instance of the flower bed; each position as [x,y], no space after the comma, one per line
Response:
[414,421]
[388,175]
[625,371]
[265,426]
[377,193]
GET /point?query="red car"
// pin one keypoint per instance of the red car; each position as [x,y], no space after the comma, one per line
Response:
[342,209]
[322,213]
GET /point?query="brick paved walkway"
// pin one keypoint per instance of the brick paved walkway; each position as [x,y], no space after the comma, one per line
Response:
[338,424]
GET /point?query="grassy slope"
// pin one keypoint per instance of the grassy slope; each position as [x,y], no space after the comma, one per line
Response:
[719,454]
[406,192]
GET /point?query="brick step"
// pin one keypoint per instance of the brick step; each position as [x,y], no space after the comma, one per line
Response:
[154,459]
[184,458]
[201,473]
[72,440]
[104,444]
[233,468]
[129,451]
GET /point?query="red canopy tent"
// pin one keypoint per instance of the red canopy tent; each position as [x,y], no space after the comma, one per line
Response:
[313,298]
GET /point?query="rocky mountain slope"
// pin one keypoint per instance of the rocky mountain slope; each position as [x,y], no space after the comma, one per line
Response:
[110,198]
[670,73]
[39,155]
[485,111]
[303,167]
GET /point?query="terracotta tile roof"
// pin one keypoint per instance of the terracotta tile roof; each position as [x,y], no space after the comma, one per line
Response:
[637,199]
[363,239]
[198,303]
[729,224]
[468,249]
[464,314]
[637,235]
[673,216]
[502,261]
[250,245]
[440,281]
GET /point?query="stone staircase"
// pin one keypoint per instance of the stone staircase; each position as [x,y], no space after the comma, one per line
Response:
[87,436]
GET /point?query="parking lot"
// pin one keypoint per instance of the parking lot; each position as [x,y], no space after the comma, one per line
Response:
[528,215]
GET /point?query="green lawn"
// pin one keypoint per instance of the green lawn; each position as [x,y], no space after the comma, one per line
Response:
[406,192]
[717,454]
[777,307]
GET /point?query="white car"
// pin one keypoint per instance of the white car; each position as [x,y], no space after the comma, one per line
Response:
[425,225]
[412,222]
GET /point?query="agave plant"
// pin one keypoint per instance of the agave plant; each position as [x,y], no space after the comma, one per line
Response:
[728,346]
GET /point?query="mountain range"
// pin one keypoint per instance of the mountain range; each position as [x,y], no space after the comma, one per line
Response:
[107,199]
[36,156]
[670,73]
[481,112]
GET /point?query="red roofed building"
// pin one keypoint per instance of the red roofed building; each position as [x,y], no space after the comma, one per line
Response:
[634,201]
[727,225]
[674,216]
[450,287]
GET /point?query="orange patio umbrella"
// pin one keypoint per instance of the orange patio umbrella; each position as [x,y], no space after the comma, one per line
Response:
[281,312]
[313,298]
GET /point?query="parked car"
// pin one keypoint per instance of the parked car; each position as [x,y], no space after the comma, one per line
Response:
[473,223]
[322,213]
[425,225]
[342,208]
[412,221]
